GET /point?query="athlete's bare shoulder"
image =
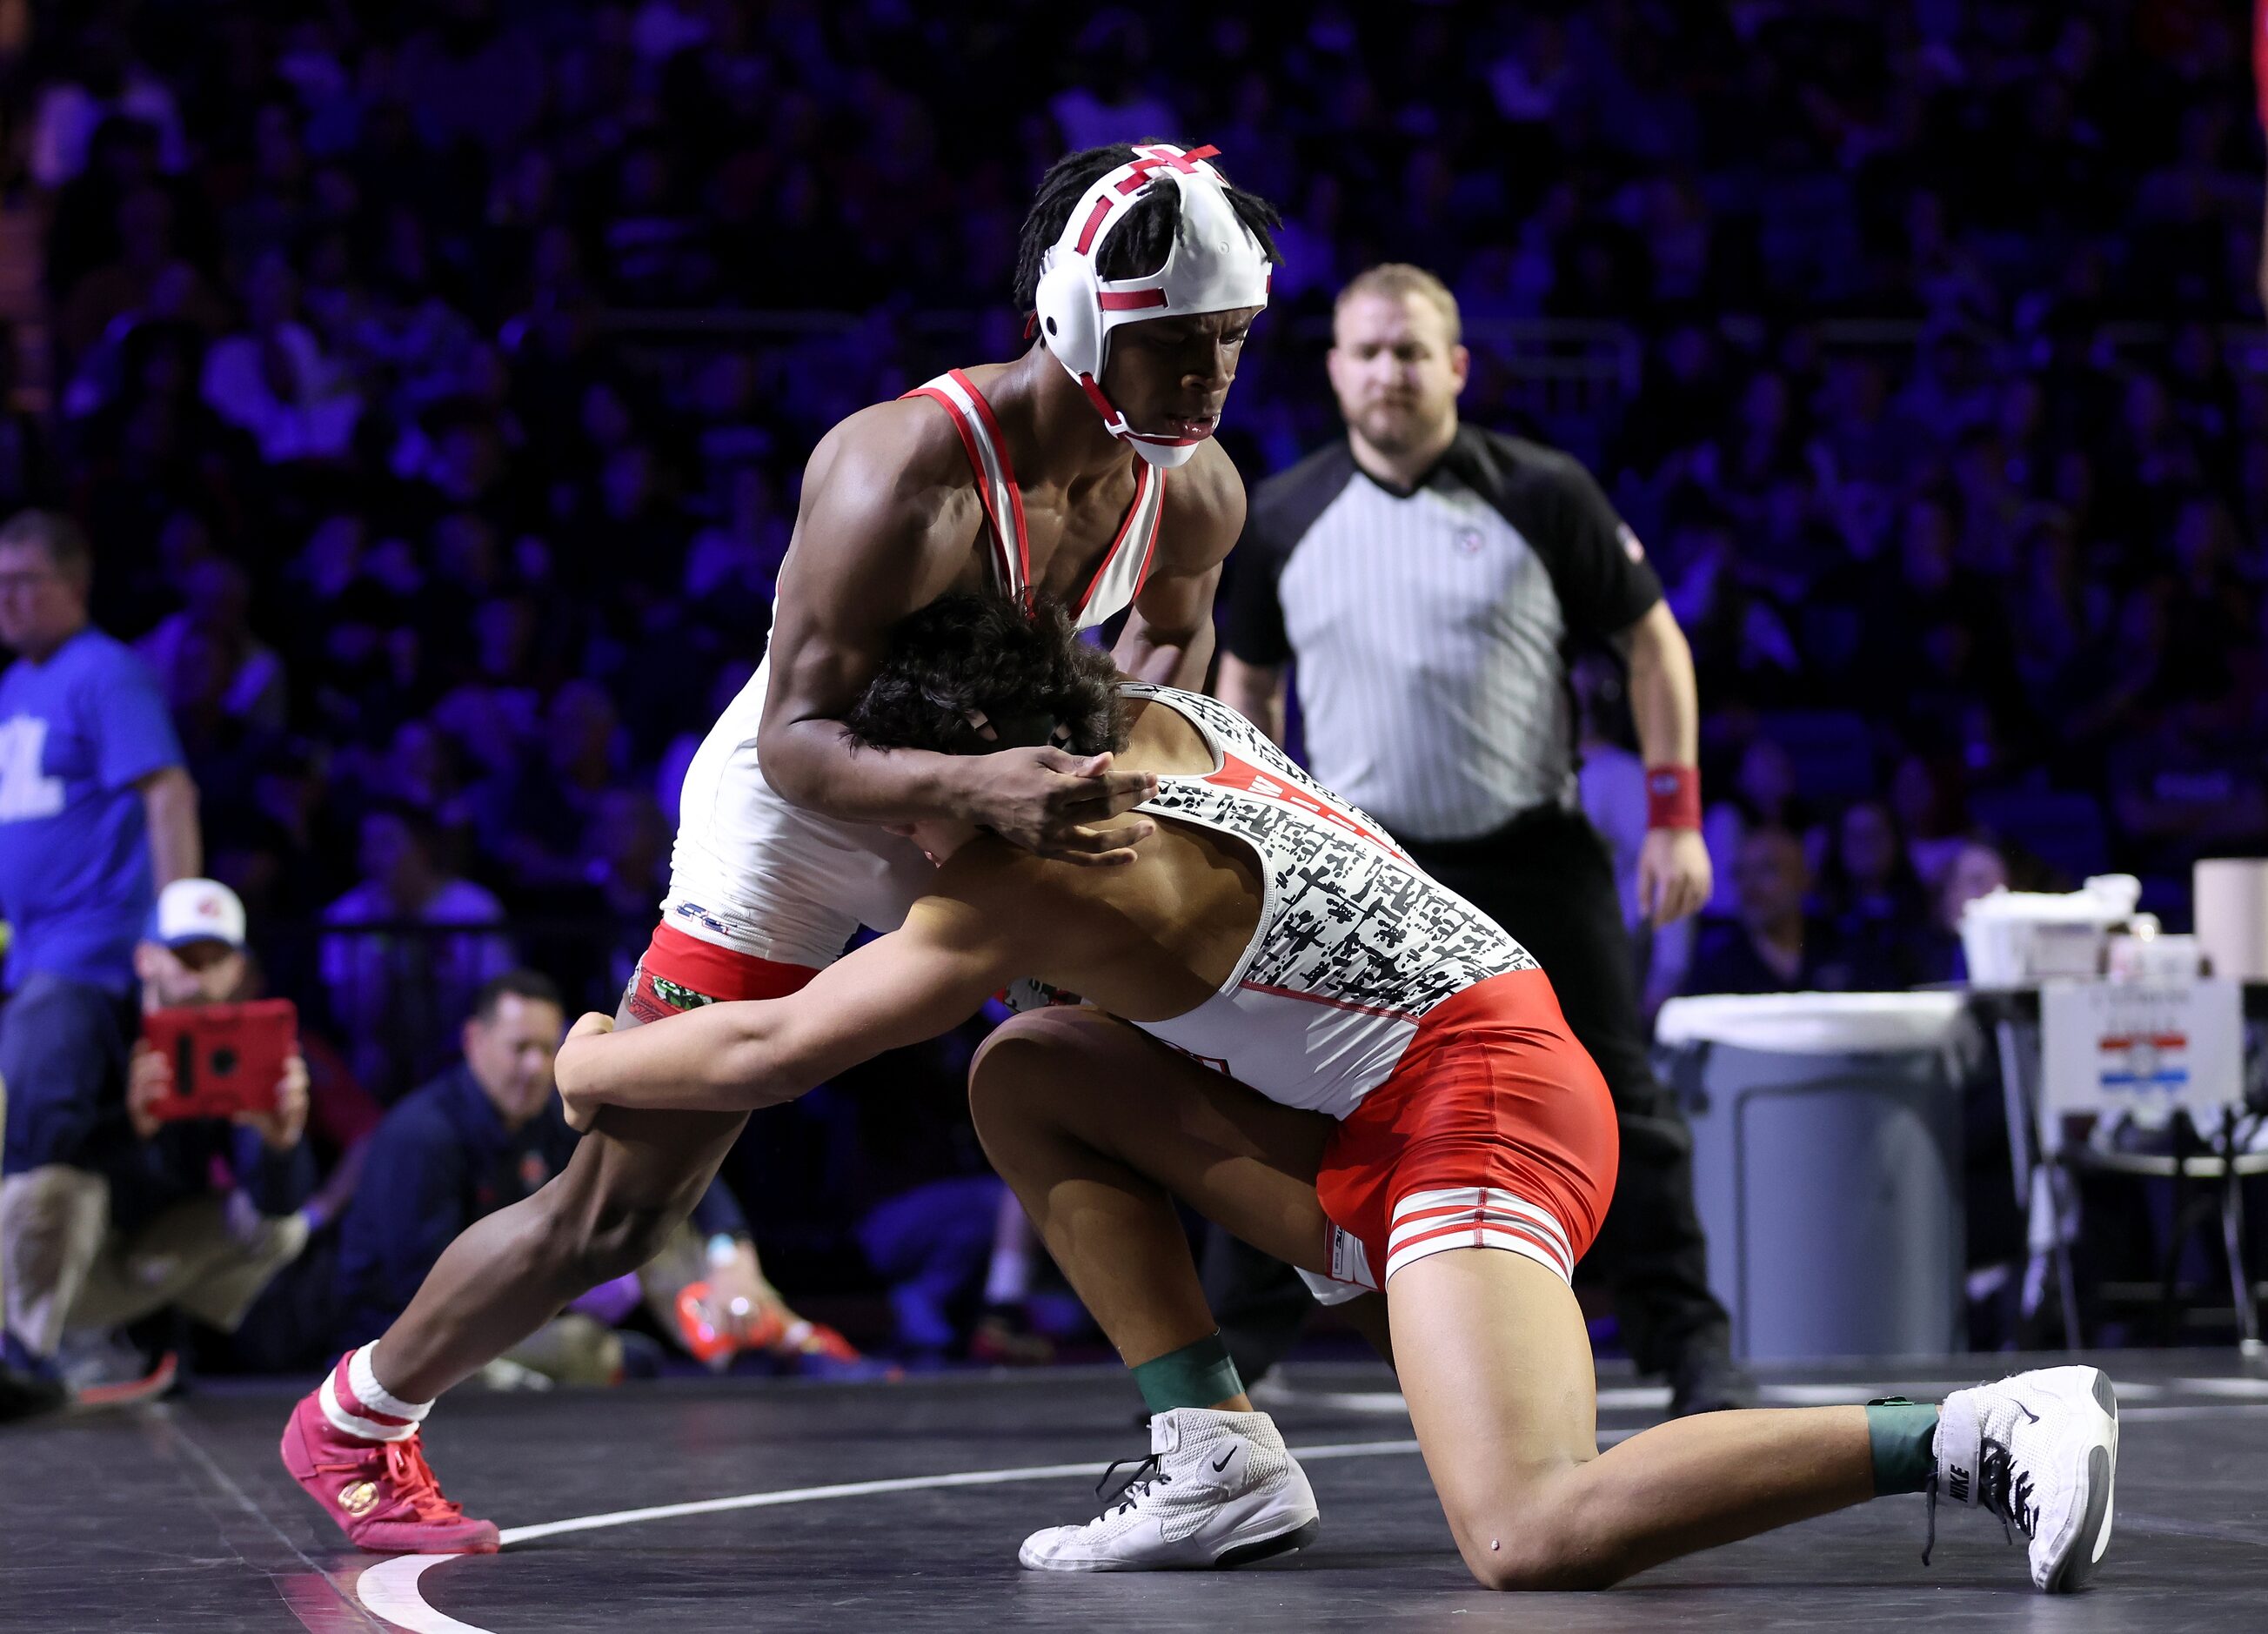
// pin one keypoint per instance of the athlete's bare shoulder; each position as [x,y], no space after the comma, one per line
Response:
[903,448]
[1204,510]
[888,501]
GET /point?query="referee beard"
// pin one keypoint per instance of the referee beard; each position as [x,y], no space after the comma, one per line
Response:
[1425,579]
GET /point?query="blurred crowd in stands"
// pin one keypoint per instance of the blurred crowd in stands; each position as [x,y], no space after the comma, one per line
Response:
[419,372]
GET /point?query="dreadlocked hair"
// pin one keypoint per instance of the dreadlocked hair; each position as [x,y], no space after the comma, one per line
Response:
[967,658]
[1139,243]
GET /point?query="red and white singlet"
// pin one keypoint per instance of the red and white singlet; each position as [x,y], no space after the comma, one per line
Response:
[758,877]
[1118,580]
[1355,943]
[1469,1117]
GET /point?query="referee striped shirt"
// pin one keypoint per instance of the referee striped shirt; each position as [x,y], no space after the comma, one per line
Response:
[1428,629]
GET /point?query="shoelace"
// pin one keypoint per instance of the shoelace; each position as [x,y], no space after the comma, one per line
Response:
[2002,1489]
[412,1478]
[406,1466]
[2005,1490]
[1147,1472]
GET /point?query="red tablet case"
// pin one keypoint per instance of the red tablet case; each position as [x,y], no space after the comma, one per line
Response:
[227,1059]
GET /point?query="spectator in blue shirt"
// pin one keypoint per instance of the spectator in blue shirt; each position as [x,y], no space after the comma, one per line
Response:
[96,811]
[485,1134]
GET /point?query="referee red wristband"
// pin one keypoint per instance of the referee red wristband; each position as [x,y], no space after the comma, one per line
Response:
[1673,797]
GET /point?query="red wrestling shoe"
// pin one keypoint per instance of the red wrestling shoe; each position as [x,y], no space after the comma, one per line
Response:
[381,1493]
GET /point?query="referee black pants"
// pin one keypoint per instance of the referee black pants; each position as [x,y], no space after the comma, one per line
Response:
[1546,878]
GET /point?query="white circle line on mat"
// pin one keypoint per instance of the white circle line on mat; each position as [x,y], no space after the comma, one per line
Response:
[390,1589]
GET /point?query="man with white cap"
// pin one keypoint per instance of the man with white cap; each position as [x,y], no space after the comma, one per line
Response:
[1083,471]
[144,1227]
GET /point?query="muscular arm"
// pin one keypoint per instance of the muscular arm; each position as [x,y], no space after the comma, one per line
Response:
[885,528]
[875,538]
[925,977]
[1254,691]
[169,804]
[1169,638]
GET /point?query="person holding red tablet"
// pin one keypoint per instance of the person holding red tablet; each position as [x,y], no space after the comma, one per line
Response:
[202,1209]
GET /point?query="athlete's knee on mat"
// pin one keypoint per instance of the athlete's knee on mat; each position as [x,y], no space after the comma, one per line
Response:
[1535,1543]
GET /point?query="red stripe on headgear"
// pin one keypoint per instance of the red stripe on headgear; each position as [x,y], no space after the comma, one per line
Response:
[1093,225]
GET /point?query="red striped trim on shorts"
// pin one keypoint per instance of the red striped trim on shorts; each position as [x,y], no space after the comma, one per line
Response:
[1475,1217]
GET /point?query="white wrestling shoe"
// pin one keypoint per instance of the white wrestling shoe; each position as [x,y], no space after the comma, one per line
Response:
[1217,1490]
[2039,1450]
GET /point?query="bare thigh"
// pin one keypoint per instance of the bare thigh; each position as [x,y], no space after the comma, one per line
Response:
[644,1159]
[636,1164]
[1495,1362]
[1242,1160]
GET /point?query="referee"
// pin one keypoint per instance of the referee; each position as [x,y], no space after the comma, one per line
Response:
[1425,579]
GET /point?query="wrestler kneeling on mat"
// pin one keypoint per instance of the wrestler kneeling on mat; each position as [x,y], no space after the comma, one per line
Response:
[1423,1124]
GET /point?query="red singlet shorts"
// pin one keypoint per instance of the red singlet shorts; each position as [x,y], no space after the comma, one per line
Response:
[1495,1131]
[680,972]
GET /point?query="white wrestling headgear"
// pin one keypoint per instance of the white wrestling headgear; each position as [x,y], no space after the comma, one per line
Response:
[1215,265]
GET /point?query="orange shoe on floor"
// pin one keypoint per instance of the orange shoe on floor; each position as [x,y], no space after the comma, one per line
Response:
[815,1350]
[382,1493]
[714,1337]
[129,1392]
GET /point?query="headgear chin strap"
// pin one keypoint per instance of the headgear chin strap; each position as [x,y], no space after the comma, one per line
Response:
[1216,265]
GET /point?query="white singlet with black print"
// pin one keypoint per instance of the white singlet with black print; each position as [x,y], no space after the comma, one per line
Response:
[1354,945]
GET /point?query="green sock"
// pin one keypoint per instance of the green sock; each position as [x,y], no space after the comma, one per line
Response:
[1902,1438]
[1195,1375]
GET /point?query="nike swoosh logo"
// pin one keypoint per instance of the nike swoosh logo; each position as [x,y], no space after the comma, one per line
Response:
[2027,1412]
[1224,1457]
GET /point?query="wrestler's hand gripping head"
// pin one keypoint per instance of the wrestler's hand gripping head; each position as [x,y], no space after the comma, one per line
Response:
[972,673]
[1216,265]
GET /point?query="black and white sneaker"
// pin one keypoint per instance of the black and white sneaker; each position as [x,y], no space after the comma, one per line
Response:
[1217,1490]
[2040,1451]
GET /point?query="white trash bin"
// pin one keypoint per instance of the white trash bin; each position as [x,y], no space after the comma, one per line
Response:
[1827,1166]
